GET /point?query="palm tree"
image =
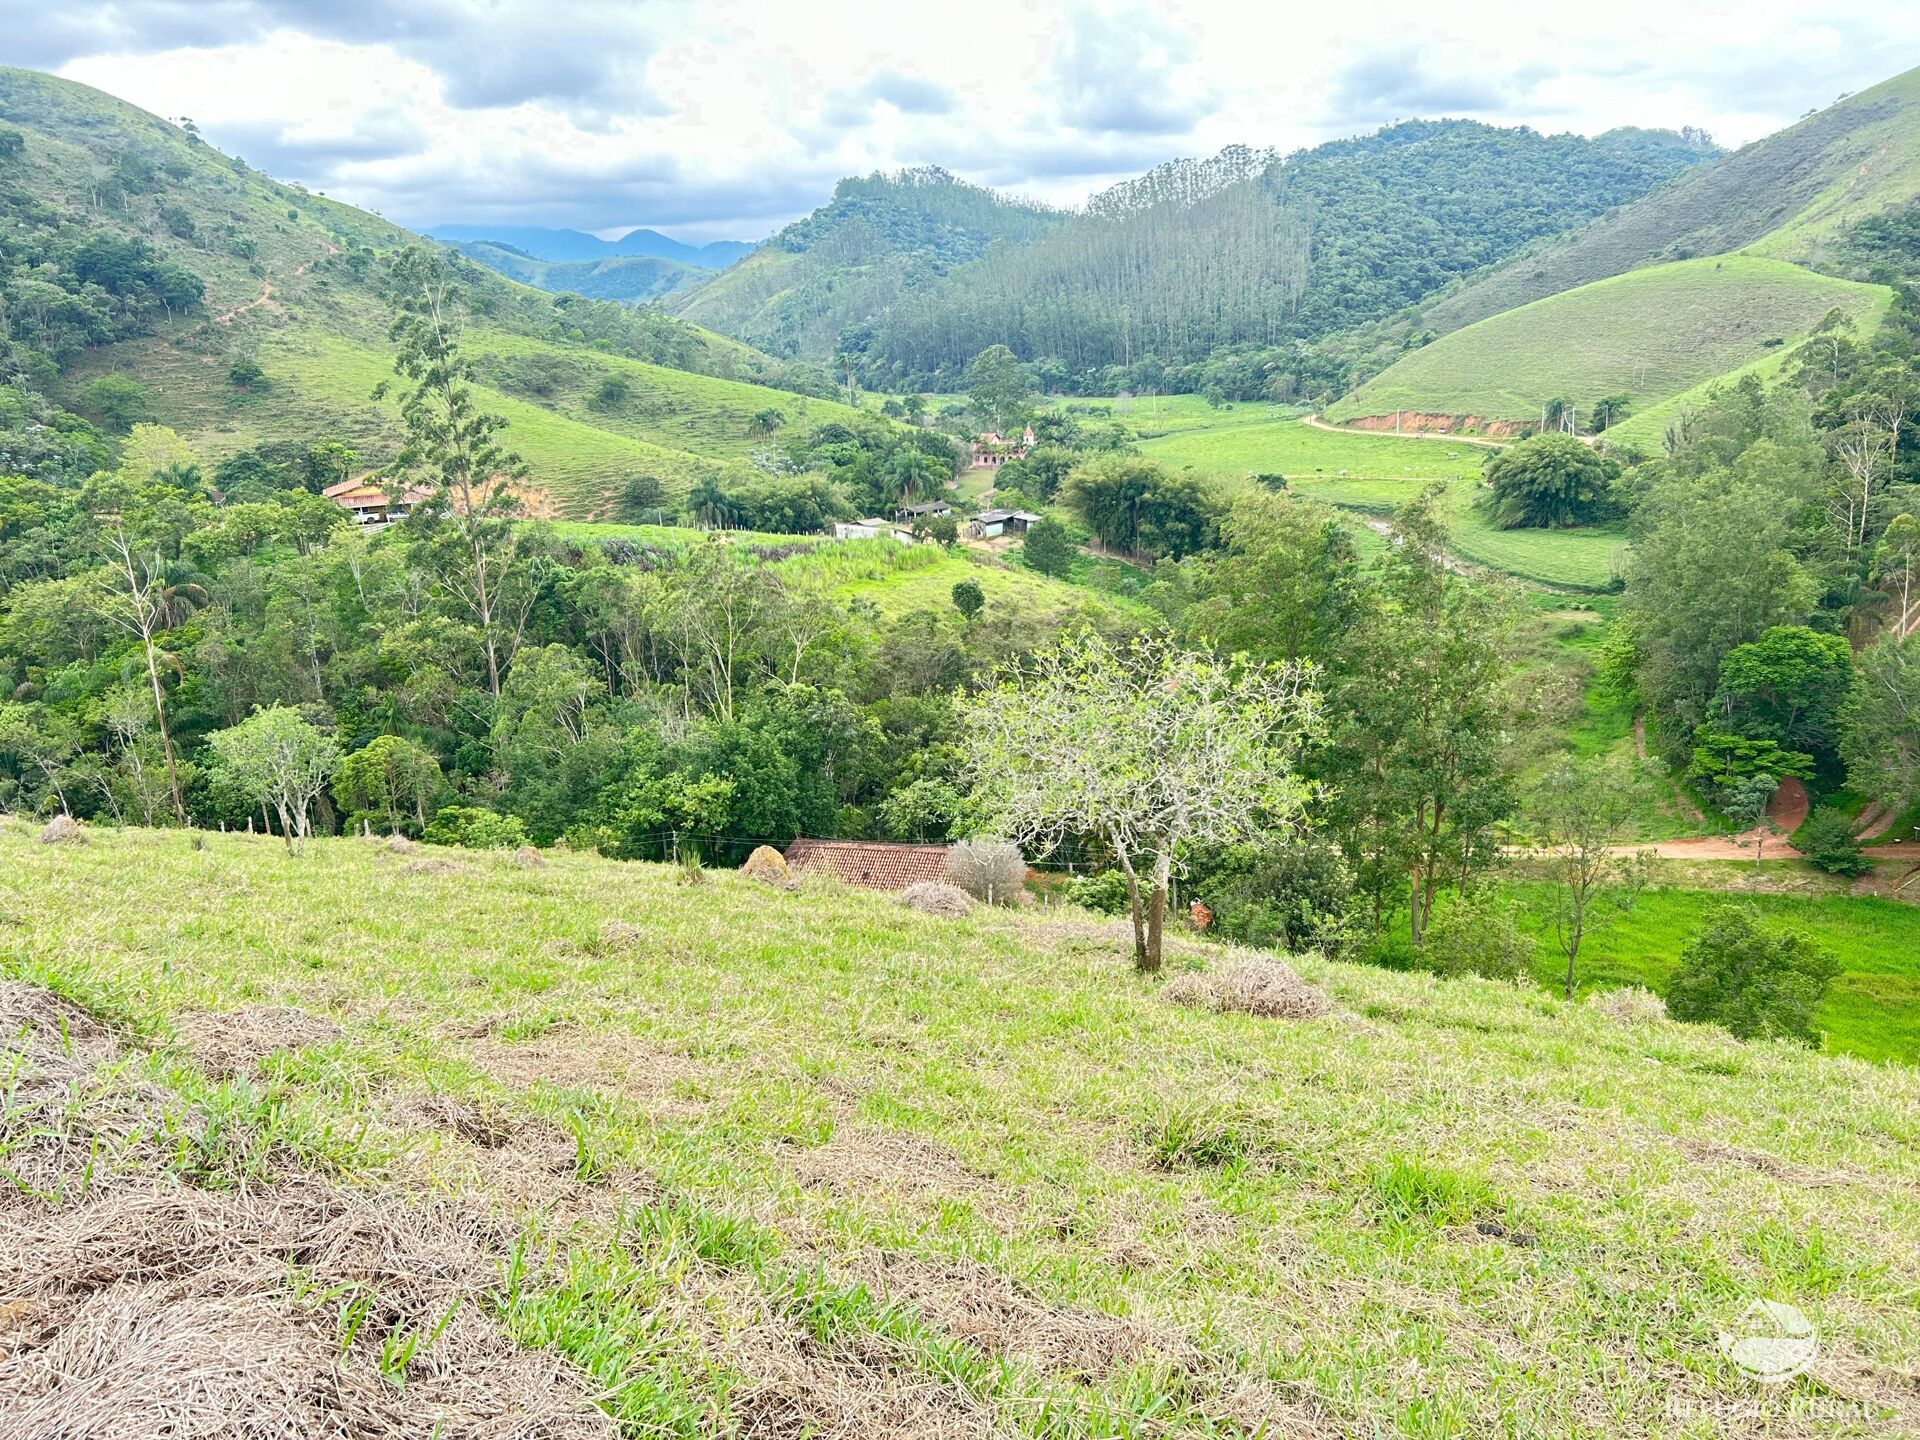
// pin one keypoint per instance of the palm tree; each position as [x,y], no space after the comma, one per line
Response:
[707,503]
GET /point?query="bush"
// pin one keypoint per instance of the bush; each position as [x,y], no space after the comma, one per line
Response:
[1757,983]
[1105,892]
[473,828]
[1476,935]
[1827,840]
[991,870]
[1292,897]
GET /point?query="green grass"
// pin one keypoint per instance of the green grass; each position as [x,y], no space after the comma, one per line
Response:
[1873,1009]
[978,1168]
[1235,447]
[1651,334]
[896,579]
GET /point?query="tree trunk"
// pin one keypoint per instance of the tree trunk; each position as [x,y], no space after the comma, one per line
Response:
[1157,912]
[166,740]
[1134,910]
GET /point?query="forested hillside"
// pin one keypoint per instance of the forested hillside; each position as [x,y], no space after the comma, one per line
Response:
[146,277]
[880,238]
[1252,248]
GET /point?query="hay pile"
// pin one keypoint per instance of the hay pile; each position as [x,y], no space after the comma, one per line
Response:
[617,935]
[173,1311]
[134,1305]
[1630,1005]
[769,867]
[401,845]
[63,830]
[232,1042]
[931,897]
[528,858]
[434,867]
[1251,985]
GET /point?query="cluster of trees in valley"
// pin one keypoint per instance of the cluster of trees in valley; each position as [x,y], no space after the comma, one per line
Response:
[187,643]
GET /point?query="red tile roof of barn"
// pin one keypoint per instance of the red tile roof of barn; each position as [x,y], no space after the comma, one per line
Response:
[873,864]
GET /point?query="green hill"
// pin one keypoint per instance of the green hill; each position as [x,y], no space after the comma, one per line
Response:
[735,1160]
[623,277]
[1790,196]
[1650,335]
[129,247]
[1253,248]
[880,238]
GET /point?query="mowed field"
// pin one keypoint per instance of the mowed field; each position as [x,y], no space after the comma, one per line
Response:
[1650,334]
[429,1135]
[1375,474]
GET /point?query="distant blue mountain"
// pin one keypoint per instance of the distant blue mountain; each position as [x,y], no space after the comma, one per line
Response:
[566,245]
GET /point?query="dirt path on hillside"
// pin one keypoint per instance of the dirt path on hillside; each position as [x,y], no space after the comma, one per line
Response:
[1319,424]
[227,317]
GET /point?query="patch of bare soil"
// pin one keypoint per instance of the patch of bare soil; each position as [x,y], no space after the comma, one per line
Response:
[135,1305]
[231,1042]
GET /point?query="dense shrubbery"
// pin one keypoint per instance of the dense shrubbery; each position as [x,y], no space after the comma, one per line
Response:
[1758,982]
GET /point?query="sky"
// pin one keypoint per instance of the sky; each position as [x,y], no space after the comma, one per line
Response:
[724,119]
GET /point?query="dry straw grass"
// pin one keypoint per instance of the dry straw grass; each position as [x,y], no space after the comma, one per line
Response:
[232,1042]
[63,830]
[769,867]
[528,858]
[1251,985]
[144,1307]
[932,897]
[1630,1005]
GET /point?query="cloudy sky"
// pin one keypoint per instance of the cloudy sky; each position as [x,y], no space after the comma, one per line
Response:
[716,119]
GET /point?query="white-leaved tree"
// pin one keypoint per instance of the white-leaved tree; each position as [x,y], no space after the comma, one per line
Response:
[1147,746]
[276,758]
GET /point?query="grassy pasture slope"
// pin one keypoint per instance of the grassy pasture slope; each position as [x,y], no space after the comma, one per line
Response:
[816,1158]
[1651,334]
[317,323]
[1384,472]
[1787,197]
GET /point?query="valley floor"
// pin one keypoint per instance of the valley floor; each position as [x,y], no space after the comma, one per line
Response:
[730,1160]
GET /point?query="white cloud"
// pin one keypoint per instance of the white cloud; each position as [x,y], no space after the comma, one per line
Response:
[727,117]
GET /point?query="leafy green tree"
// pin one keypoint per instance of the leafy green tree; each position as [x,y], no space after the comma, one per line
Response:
[1711,568]
[766,421]
[454,445]
[120,401]
[475,828]
[1609,410]
[1135,505]
[1550,482]
[968,598]
[612,394]
[1151,748]
[1584,812]
[1880,722]
[1285,584]
[1757,982]
[1745,802]
[1722,759]
[1424,723]
[388,779]
[999,386]
[641,496]
[246,375]
[944,531]
[277,758]
[1827,839]
[1048,548]
[1788,685]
